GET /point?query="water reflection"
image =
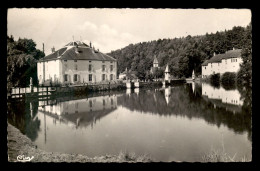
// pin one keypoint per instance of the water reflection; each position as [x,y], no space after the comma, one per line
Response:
[82,112]
[225,96]
[193,100]
[172,122]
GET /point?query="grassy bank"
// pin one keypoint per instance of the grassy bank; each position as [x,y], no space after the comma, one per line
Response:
[19,144]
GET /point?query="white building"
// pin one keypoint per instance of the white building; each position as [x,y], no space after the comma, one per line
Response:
[123,74]
[76,63]
[221,63]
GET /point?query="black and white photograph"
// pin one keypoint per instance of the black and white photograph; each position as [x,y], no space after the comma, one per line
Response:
[129,85]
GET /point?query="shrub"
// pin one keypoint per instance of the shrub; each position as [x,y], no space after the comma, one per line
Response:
[228,78]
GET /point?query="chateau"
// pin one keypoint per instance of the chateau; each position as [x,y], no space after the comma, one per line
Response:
[76,63]
[221,63]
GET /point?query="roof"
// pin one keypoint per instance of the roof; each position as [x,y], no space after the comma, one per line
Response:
[167,68]
[155,61]
[78,51]
[217,58]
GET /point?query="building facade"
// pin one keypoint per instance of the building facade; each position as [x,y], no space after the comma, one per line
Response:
[221,63]
[76,63]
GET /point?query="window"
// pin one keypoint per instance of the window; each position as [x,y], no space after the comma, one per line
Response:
[90,103]
[76,67]
[75,77]
[103,67]
[103,77]
[111,67]
[111,76]
[103,61]
[75,60]
[89,67]
[205,67]
[90,77]
[65,60]
[112,102]
[66,77]
[104,102]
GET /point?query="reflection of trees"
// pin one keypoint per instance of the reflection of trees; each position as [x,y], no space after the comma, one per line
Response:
[19,115]
[183,102]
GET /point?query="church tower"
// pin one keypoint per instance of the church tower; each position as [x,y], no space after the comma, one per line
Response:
[155,62]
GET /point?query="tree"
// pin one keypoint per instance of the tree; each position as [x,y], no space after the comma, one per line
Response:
[22,58]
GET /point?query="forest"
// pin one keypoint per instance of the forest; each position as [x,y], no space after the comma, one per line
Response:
[182,54]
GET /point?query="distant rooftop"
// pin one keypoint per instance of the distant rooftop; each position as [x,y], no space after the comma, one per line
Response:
[217,58]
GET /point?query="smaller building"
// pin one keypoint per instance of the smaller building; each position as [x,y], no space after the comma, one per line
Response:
[122,75]
[221,63]
[155,65]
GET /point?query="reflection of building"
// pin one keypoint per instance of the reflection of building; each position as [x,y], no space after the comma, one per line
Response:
[167,94]
[136,90]
[82,112]
[229,99]
[221,63]
[76,63]
[226,96]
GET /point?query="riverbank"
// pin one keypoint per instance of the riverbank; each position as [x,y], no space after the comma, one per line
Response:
[19,144]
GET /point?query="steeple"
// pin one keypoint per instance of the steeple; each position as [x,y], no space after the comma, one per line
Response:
[167,69]
[155,62]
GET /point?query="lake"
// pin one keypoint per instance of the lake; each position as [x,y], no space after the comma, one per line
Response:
[174,123]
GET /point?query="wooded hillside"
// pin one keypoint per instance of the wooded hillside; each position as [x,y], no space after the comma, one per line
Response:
[182,54]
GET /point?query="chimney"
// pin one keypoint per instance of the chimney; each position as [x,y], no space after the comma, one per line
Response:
[43,47]
[90,45]
[53,49]
[77,49]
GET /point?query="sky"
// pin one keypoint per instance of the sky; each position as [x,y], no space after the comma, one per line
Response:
[112,29]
